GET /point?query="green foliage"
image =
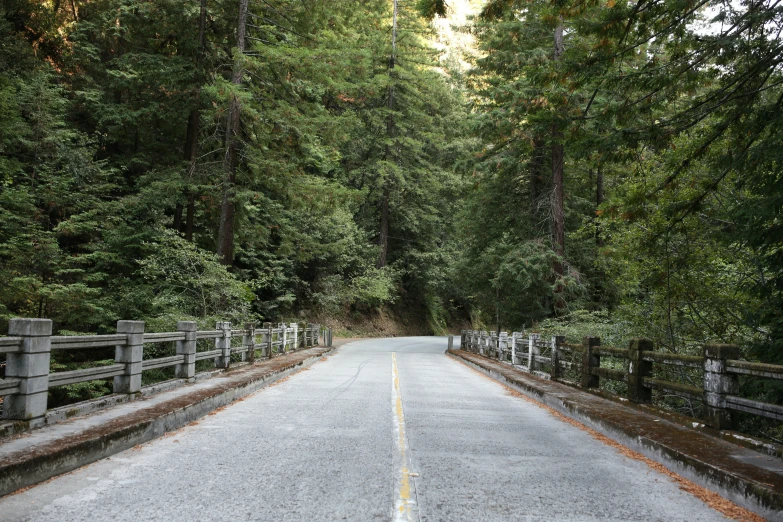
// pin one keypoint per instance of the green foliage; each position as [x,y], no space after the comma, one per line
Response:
[97,104]
[432,8]
[189,282]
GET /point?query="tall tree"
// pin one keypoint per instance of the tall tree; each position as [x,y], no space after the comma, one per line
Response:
[192,132]
[383,238]
[225,241]
[558,181]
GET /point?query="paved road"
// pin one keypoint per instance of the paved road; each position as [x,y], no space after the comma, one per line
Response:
[388,429]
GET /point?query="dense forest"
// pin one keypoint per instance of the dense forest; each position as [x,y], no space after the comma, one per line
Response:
[588,167]
[224,159]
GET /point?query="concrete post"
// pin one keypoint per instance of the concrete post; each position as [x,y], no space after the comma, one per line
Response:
[462,337]
[249,342]
[557,340]
[450,346]
[513,348]
[284,333]
[503,346]
[130,354]
[187,348]
[718,383]
[638,369]
[590,360]
[330,338]
[223,344]
[267,340]
[31,366]
[533,351]
[295,336]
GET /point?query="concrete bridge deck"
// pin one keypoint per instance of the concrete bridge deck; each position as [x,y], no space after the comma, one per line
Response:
[383,429]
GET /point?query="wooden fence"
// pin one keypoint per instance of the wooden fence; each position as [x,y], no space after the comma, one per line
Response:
[29,346]
[716,371]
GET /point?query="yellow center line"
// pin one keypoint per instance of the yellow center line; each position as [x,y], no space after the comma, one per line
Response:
[405,503]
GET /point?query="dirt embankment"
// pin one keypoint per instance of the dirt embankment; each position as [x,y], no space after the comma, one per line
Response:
[396,321]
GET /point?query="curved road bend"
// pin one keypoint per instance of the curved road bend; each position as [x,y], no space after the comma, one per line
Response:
[387,429]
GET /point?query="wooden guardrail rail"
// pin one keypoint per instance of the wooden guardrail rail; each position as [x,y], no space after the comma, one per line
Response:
[639,366]
[30,343]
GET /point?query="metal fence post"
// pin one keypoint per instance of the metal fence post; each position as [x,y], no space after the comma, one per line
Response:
[131,355]
[31,366]
[718,383]
[187,348]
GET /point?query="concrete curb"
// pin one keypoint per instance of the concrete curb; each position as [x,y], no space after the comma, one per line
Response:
[759,497]
[25,468]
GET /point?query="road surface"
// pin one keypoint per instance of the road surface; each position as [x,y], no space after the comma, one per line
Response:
[387,429]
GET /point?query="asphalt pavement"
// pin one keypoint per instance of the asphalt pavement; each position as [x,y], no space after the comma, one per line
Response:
[384,429]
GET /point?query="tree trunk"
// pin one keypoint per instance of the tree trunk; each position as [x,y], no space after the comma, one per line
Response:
[191,152]
[225,245]
[599,199]
[558,210]
[178,217]
[537,158]
[383,239]
[189,217]
[191,136]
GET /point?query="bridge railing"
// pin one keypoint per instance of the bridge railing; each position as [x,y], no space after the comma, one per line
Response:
[29,345]
[711,379]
